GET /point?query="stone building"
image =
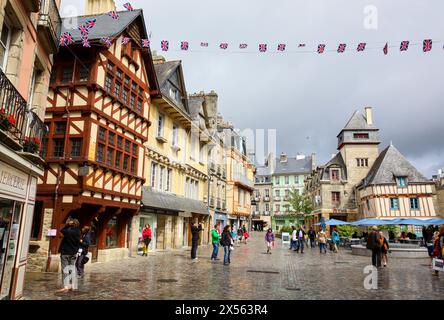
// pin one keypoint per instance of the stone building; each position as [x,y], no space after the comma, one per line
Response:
[28,39]
[439,179]
[394,188]
[262,195]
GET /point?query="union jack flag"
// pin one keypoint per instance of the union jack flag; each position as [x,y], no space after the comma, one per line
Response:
[301,45]
[321,48]
[281,47]
[63,42]
[85,42]
[114,15]
[224,45]
[427,45]
[342,47]
[184,45]
[125,40]
[204,44]
[386,49]
[106,41]
[145,43]
[262,47]
[361,46]
[128,6]
[90,23]
[68,37]
[83,29]
[164,45]
[243,46]
[404,45]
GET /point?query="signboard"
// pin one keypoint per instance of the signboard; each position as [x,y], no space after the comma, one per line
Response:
[285,238]
[51,233]
[12,180]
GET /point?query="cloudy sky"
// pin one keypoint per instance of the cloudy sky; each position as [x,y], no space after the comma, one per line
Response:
[308,97]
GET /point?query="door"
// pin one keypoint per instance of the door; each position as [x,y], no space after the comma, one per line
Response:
[160,232]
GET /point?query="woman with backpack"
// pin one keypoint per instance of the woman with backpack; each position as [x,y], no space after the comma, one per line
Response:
[227,242]
[82,259]
[438,251]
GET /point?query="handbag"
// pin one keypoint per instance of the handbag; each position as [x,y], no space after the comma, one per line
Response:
[231,248]
[85,260]
[438,264]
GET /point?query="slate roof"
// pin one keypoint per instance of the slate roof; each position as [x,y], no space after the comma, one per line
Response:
[263,171]
[293,166]
[336,161]
[165,70]
[105,25]
[358,122]
[165,201]
[391,164]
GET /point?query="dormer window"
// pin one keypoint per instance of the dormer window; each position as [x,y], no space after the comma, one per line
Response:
[402,182]
[334,175]
[361,136]
[174,94]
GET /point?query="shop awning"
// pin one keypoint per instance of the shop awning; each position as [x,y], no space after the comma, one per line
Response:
[160,200]
[334,222]
[400,221]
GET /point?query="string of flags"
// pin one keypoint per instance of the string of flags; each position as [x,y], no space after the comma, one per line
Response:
[66,39]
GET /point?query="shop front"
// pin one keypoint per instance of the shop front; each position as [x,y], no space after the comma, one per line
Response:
[220,219]
[18,182]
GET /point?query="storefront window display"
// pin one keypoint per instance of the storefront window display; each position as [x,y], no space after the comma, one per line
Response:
[112,233]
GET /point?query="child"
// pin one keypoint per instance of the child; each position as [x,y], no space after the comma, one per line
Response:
[269,238]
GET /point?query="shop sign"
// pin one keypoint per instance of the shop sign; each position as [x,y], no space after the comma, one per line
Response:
[12,180]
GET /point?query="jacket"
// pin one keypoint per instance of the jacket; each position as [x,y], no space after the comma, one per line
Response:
[312,234]
[71,241]
[215,237]
[322,237]
[86,242]
[294,235]
[226,239]
[335,237]
[195,232]
[299,234]
[269,237]
[146,233]
[373,241]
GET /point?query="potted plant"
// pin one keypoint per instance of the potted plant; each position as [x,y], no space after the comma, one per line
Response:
[6,121]
[32,145]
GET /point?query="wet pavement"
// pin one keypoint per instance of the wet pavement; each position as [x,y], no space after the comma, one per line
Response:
[253,274]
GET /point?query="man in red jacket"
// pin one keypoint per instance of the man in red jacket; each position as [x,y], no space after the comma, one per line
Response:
[146,236]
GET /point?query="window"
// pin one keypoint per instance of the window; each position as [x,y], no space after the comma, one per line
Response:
[5,41]
[134,87]
[394,203]
[125,95]
[239,197]
[76,147]
[361,136]
[402,182]
[335,175]
[335,197]
[175,135]
[102,134]
[267,207]
[109,156]
[112,233]
[278,208]
[112,139]
[67,74]
[362,162]
[267,193]
[84,73]
[153,174]
[58,148]
[108,83]
[133,101]
[120,142]
[127,81]
[287,180]
[160,124]
[110,66]
[118,159]
[287,193]
[117,89]
[277,193]
[414,203]
[100,153]
[134,149]
[133,165]
[245,199]
[44,148]
[161,177]
[119,74]
[53,77]
[277,180]
[169,180]
[125,163]
[60,128]
[368,204]
[139,106]
[127,146]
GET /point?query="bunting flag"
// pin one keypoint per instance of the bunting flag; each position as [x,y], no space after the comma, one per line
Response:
[69,38]
[427,45]
[262,47]
[145,43]
[106,41]
[341,47]
[62,41]
[90,23]
[126,40]
[164,45]
[321,48]
[85,42]
[224,46]
[204,44]
[114,15]
[281,47]
[404,45]
[386,48]
[83,30]
[184,45]
[301,45]
[243,46]
[128,6]
[361,46]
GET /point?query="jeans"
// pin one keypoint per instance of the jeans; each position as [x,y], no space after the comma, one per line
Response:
[68,270]
[322,247]
[215,250]
[227,254]
[300,245]
[376,257]
[80,266]
[194,244]
[293,244]
[312,243]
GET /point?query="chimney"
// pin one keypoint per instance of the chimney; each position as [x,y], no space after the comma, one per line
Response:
[300,156]
[158,59]
[313,161]
[99,6]
[369,115]
[283,157]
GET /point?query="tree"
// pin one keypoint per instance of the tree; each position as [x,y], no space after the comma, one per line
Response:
[301,204]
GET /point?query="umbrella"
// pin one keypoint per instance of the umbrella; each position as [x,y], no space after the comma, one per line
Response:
[435,221]
[322,223]
[334,222]
[412,222]
[373,222]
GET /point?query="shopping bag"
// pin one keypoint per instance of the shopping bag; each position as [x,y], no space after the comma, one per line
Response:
[438,264]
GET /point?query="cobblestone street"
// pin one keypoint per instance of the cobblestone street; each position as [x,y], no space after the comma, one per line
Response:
[252,275]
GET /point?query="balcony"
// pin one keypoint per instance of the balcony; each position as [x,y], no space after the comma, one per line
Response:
[49,25]
[287,198]
[219,170]
[257,199]
[15,120]
[267,213]
[277,198]
[243,180]
[212,167]
[266,199]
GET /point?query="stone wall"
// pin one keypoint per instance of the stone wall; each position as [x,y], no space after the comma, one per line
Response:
[38,250]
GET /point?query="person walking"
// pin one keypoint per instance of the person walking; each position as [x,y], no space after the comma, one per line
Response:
[322,240]
[269,239]
[215,239]
[294,238]
[335,238]
[374,244]
[227,242]
[240,234]
[195,230]
[82,258]
[312,237]
[246,235]
[384,248]
[146,238]
[300,239]
[69,248]
[438,251]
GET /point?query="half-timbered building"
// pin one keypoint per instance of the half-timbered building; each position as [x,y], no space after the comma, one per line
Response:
[98,118]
